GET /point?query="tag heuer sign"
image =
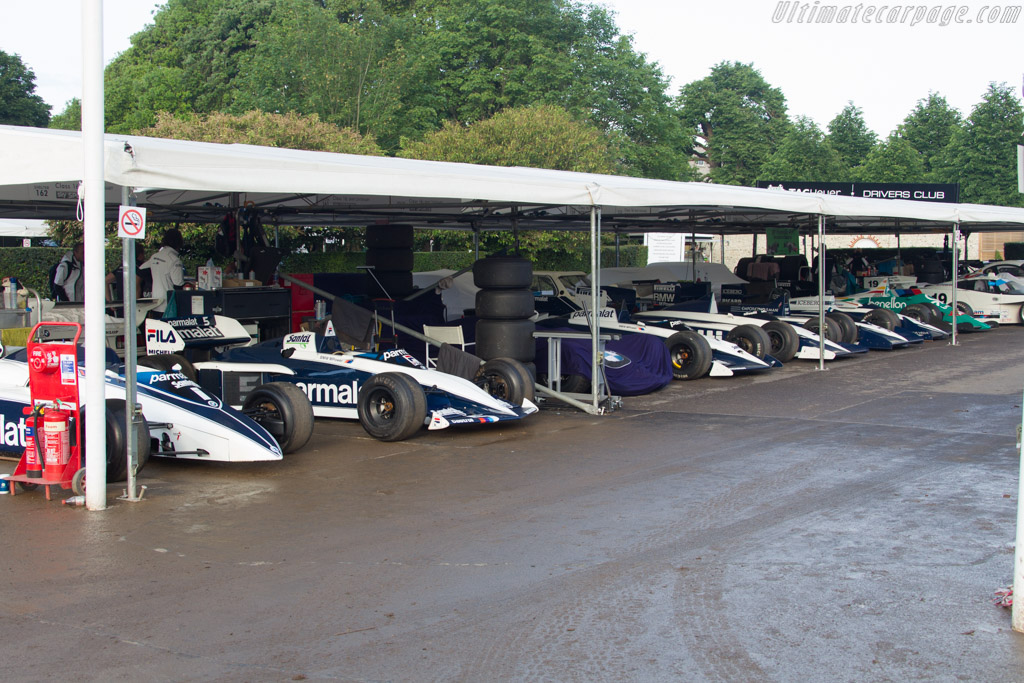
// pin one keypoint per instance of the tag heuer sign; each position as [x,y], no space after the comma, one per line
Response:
[922,192]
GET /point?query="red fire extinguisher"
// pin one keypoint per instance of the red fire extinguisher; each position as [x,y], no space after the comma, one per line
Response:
[33,465]
[56,442]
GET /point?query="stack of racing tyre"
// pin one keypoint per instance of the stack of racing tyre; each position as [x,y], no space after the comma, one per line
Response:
[389,252]
[504,306]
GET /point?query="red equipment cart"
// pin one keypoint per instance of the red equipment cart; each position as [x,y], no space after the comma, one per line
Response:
[54,435]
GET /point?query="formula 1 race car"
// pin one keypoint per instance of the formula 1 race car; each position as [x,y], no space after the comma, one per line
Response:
[179,418]
[391,393]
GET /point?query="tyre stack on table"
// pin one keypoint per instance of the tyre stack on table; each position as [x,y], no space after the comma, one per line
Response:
[389,251]
[504,306]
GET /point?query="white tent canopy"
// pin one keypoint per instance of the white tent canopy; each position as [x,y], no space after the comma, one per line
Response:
[179,180]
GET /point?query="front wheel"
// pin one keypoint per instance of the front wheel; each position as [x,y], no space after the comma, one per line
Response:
[392,406]
[785,342]
[751,339]
[690,354]
[506,379]
[284,411]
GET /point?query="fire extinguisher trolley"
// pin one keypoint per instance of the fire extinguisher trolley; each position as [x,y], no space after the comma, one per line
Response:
[53,436]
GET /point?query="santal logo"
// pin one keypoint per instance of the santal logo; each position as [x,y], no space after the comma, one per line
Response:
[345,394]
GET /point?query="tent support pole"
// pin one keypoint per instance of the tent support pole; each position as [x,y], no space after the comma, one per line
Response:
[821,292]
[956,267]
[596,357]
[133,411]
[93,178]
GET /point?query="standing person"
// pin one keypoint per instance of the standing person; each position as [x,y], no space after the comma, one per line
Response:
[166,270]
[68,283]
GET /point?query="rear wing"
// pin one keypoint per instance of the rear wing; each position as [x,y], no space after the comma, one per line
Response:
[173,335]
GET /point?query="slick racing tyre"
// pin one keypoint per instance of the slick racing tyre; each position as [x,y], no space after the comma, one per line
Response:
[504,304]
[117,442]
[847,327]
[506,379]
[920,313]
[284,410]
[883,317]
[503,272]
[690,354]
[785,342]
[751,339]
[392,406]
[832,332]
[390,260]
[506,339]
[390,236]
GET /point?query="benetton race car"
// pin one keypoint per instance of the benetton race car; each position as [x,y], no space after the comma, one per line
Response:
[180,419]
[390,392]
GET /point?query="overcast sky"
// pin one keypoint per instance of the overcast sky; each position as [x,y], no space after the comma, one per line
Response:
[884,68]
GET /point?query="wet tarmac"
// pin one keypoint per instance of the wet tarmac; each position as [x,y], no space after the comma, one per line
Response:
[845,525]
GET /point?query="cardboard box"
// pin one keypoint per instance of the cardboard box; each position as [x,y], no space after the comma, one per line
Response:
[242,283]
[210,277]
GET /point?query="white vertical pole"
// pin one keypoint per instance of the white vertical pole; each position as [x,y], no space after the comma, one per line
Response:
[956,266]
[1017,610]
[821,292]
[595,306]
[128,296]
[95,328]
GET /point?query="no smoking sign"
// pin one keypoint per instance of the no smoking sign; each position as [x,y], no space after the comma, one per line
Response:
[131,223]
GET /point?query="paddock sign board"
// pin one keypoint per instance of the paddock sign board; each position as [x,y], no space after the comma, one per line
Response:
[948,193]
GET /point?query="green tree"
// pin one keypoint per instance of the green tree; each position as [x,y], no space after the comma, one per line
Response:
[19,105]
[893,161]
[850,136]
[981,154]
[70,118]
[353,77]
[737,121]
[290,131]
[544,136]
[540,137]
[804,155]
[399,69]
[929,128]
[186,61]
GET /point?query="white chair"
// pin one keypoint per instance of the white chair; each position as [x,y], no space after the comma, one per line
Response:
[446,334]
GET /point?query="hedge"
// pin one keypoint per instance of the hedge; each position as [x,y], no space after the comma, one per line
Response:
[31,265]
[346,262]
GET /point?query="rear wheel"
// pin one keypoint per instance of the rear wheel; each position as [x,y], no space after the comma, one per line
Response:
[785,342]
[284,411]
[117,441]
[392,406]
[690,354]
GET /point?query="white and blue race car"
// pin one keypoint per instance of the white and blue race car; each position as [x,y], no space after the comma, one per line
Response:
[391,393]
[179,418]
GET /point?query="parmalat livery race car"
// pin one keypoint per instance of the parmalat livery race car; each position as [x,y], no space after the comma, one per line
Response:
[391,393]
[179,418]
